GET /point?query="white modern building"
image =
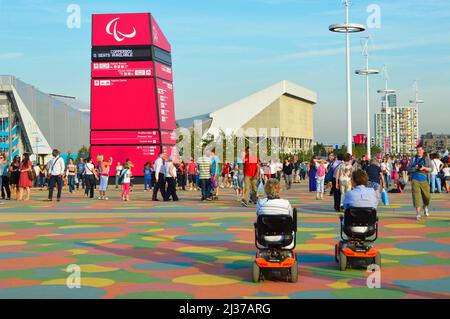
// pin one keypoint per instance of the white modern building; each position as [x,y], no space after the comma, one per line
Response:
[284,106]
[36,122]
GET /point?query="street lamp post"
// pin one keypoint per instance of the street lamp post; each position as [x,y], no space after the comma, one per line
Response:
[417,101]
[348,28]
[367,72]
[386,93]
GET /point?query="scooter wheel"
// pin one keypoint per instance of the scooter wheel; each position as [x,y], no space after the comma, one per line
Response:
[336,252]
[378,259]
[256,273]
[342,261]
[294,272]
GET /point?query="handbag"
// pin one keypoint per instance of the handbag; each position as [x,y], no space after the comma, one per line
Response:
[32,174]
[384,197]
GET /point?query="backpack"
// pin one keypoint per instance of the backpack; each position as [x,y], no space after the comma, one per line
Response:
[122,175]
[321,171]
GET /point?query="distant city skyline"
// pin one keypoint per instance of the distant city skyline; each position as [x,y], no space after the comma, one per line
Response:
[224,50]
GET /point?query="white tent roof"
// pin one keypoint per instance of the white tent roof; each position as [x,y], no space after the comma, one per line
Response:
[249,106]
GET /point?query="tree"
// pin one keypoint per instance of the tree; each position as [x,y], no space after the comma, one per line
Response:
[83,152]
[319,149]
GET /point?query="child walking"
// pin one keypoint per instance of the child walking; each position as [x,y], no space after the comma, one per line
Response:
[147,176]
[126,181]
[237,183]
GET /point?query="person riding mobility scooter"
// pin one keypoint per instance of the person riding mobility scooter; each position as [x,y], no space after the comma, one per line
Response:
[275,239]
[359,229]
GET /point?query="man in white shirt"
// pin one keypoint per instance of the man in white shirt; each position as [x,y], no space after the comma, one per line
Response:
[55,169]
[160,179]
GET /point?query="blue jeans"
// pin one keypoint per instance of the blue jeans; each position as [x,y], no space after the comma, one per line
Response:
[41,181]
[435,181]
[71,180]
[147,182]
[387,178]
[205,185]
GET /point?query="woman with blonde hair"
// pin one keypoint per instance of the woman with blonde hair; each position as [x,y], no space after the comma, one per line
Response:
[273,204]
[103,170]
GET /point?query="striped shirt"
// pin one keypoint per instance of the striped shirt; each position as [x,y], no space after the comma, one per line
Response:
[204,166]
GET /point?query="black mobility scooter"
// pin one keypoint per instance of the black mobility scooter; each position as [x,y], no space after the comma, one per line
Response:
[359,230]
[275,239]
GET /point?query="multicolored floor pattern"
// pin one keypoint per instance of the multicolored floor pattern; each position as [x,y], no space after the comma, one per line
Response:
[189,249]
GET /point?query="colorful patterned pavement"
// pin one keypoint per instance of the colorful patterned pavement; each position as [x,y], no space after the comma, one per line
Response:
[190,249]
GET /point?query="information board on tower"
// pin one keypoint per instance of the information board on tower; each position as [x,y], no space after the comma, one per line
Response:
[127,104]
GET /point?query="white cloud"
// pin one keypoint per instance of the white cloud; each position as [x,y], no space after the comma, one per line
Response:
[10,55]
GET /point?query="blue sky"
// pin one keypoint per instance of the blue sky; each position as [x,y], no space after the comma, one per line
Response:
[224,50]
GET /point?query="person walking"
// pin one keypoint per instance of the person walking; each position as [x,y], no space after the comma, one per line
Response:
[344,177]
[312,174]
[321,166]
[71,172]
[125,176]
[446,171]
[251,172]
[404,163]
[103,169]
[288,168]
[4,182]
[42,176]
[204,168]
[80,173]
[329,175]
[119,169]
[375,177]
[386,169]
[192,169]
[90,177]
[335,184]
[181,175]
[279,167]
[55,169]
[26,177]
[435,179]
[419,169]
[171,180]
[160,181]
[215,173]
[14,176]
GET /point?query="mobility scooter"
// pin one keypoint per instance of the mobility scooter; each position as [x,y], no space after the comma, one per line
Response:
[359,230]
[275,239]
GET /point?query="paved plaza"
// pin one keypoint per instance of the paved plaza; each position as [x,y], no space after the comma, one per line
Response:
[189,249]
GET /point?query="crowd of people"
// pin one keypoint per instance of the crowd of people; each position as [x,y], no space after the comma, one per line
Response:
[247,176]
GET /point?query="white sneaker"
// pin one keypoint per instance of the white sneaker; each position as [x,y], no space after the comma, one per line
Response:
[418,217]
[106,198]
[427,213]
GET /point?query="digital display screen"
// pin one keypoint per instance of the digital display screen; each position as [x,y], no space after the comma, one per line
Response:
[123,104]
[162,56]
[138,155]
[124,137]
[121,54]
[166,105]
[121,69]
[121,29]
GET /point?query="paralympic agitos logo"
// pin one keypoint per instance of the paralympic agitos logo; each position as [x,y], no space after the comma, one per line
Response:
[119,36]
